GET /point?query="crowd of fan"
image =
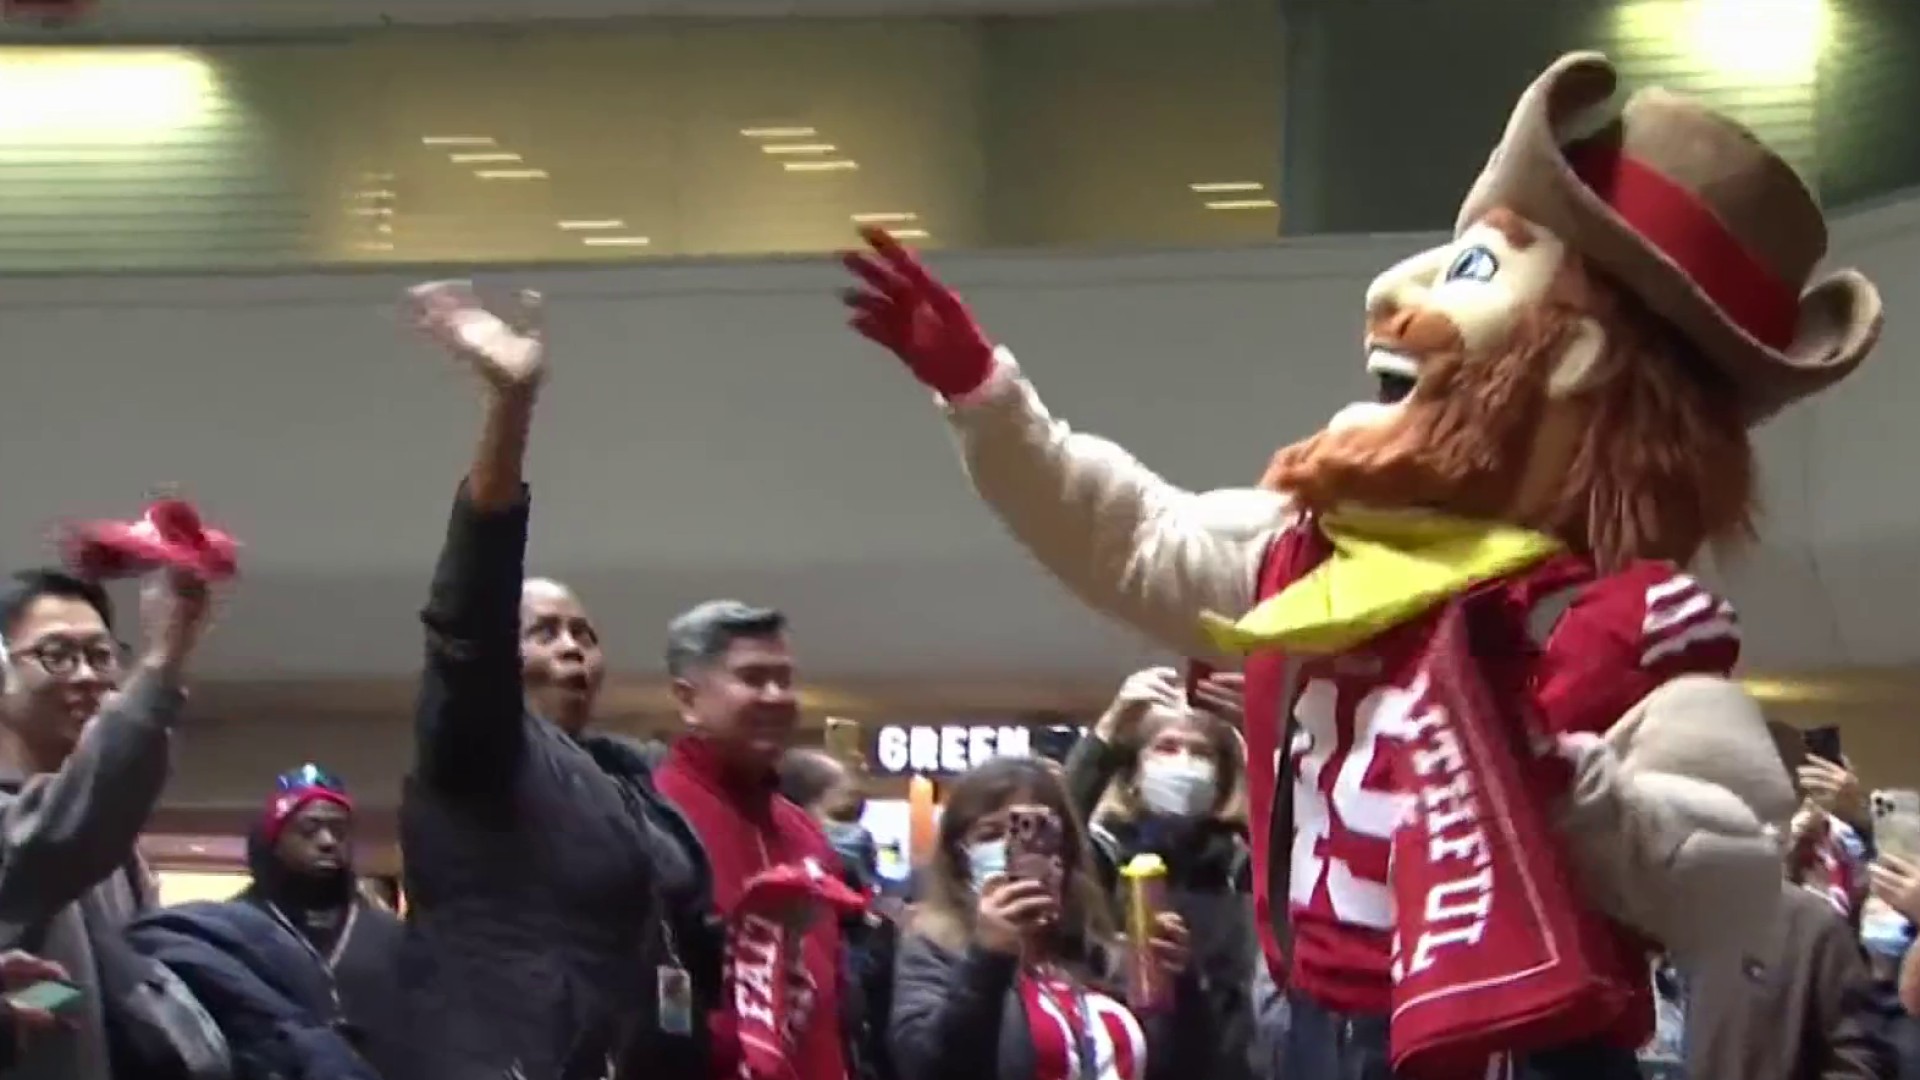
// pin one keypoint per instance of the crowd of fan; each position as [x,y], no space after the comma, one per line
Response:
[580,906]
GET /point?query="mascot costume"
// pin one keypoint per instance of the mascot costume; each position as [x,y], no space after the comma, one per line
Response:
[1494,743]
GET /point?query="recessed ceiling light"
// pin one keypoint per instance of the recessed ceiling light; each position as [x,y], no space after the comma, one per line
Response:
[511,174]
[799,148]
[885,217]
[457,140]
[1214,187]
[197,849]
[1242,204]
[486,155]
[585,224]
[615,241]
[778,132]
[835,165]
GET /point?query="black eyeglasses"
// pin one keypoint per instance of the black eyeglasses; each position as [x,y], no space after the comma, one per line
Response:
[61,657]
[310,776]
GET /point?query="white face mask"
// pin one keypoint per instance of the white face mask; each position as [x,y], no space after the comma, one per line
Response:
[1176,785]
[985,860]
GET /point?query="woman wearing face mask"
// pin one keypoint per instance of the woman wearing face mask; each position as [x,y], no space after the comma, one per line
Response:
[1008,971]
[1159,776]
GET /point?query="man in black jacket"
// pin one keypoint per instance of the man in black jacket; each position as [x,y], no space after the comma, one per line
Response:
[300,851]
[541,867]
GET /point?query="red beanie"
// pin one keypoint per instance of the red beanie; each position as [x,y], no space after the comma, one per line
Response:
[285,804]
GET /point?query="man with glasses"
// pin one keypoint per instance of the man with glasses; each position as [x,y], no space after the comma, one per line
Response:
[84,754]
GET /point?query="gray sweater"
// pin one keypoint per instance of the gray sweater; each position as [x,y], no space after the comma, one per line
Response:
[65,838]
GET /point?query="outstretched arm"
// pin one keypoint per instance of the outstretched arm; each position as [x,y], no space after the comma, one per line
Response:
[66,831]
[1121,538]
[469,715]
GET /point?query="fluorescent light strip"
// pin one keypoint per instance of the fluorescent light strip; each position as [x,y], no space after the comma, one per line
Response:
[456,140]
[490,155]
[615,241]
[586,224]
[511,174]
[799,148]
[885,217]
[1223,186]
[836,165]
[909,234]
[778,132]
[1242,204]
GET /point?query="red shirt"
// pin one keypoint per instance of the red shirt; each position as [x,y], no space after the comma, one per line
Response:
[1622,635]
[746,827]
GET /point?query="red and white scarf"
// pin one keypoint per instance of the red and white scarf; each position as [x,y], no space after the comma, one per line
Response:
[1495,952]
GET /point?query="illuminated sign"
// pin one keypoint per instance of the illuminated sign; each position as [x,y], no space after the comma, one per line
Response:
[945,749]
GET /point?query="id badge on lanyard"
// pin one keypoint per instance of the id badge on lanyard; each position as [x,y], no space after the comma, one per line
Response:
[673,988]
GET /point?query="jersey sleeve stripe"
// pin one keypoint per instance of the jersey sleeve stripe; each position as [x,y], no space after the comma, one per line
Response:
[1680,609]
[1719,628]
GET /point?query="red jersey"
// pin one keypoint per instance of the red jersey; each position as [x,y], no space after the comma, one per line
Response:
[1620,636]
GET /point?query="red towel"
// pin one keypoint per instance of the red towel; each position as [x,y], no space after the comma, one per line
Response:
[767,980]
[168,536]
[1495,951]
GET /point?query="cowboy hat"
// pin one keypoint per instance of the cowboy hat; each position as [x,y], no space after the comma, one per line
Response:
[1693,216]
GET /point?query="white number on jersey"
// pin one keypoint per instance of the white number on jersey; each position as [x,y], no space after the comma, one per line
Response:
[1358,809]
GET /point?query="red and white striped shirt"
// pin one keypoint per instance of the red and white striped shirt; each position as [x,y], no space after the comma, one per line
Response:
[1081,1034]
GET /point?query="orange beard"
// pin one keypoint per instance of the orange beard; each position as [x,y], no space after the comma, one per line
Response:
[1459,444]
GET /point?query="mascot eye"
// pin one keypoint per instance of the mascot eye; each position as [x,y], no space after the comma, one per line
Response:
[1473,264]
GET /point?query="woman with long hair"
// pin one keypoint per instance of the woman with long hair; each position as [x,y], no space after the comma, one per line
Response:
[1010,970]
[1161,774]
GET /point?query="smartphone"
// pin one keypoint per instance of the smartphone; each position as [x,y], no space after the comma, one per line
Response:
[49,995]
[1035,837]
[842,739]
[1824,742]
[1198,672]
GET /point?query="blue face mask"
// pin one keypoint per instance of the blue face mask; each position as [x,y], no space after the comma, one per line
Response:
[985,860]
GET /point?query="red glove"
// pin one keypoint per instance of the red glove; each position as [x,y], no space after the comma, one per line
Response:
[169,536]
[904,309]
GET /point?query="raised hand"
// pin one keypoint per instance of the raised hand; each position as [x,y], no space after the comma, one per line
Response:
[906,310]
[509,353]
[1144,691]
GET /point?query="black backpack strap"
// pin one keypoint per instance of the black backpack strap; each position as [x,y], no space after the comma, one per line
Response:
[1280,832]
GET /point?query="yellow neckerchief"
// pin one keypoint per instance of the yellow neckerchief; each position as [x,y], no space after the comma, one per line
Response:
[1387,568]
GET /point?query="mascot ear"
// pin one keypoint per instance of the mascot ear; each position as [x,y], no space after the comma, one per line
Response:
[1577,369]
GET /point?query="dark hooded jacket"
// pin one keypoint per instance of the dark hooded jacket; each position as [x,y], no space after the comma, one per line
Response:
[359,957]
[259,982]
[547,882]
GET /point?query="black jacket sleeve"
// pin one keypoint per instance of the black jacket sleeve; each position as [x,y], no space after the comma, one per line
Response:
[468,719]
[947,1011]
[1184,1035]
[1090,767]
[1851,1031]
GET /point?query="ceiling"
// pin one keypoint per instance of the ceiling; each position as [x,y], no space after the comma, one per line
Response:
[643,141]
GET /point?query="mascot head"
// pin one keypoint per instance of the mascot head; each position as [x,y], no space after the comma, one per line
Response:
[1628,290]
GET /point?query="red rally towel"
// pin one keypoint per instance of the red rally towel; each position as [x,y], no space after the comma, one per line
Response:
[169,536]
[1495,951]
[766,976]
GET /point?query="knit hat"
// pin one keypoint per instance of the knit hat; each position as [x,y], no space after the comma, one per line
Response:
[295,789]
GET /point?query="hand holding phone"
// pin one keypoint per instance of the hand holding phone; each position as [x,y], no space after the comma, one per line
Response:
[53,996]
[1035,837]
[1824,742]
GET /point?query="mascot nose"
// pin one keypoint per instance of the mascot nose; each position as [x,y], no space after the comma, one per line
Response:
[1405,283]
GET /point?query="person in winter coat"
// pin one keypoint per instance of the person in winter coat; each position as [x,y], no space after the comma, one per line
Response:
[258,981]
[1008,971]
[1156,775]
[300,852]
[541,866]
